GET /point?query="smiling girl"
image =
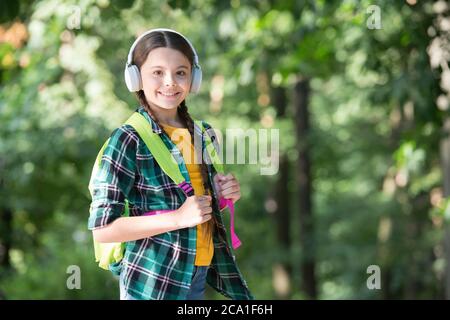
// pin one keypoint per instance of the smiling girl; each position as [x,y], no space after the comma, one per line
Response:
[176,243]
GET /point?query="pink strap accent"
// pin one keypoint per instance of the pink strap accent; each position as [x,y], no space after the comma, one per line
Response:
[152,213]
[222,203]
[235,242]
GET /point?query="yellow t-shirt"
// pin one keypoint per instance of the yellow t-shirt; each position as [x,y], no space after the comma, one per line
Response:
[182,138]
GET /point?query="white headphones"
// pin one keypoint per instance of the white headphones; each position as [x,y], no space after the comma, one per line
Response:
[133,76]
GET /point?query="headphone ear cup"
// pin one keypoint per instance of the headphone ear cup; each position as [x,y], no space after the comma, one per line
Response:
[133,78]
[196,79]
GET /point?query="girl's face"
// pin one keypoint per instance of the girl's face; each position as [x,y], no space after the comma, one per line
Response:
[166,78]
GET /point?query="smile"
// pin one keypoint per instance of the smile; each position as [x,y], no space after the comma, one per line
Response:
[169,95]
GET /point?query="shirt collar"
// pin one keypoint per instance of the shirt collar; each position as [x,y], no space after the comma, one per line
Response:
[155,127]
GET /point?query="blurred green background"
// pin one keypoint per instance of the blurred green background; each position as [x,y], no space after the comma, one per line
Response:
[359,91]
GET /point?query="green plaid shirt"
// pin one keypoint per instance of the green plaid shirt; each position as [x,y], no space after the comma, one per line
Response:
[158,267]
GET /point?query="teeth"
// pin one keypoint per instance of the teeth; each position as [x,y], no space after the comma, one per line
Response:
[168,95]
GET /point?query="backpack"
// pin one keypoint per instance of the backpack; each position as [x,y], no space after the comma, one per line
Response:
[109,255]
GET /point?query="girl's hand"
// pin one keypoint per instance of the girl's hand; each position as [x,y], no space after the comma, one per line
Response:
[195,210]
[227,187]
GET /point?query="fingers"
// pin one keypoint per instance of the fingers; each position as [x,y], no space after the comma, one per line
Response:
[204,201]
[227,180]
[231,190]
[206,211]
[231,184]
[202,197]
[206,217]
[220,177]
[232,195]
[204,204]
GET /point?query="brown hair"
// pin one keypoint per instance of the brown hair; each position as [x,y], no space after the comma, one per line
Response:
[167,39]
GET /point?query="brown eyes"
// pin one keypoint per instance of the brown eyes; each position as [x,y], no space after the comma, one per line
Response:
[158,73]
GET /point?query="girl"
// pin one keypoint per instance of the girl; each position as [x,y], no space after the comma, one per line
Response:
[174,251]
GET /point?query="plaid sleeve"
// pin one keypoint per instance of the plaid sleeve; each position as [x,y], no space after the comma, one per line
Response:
[114,178]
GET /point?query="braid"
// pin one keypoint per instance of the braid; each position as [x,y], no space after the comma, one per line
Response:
[184,114]
[189,123]
[143,101]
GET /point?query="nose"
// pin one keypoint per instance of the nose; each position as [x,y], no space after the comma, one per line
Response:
[169,80]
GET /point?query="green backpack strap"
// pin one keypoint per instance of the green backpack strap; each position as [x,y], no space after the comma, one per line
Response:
[108,253]
[210,149]
[157,147]
[218,165]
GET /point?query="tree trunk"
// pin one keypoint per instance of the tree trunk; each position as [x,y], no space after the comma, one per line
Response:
[445,162]
[283,270]
[307,242]
[5,237]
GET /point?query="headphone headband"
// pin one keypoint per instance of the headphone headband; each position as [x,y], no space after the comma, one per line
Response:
[132,75]
[130,53]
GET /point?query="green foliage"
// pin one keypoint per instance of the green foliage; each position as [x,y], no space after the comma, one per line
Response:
[9,10]
[374,137]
